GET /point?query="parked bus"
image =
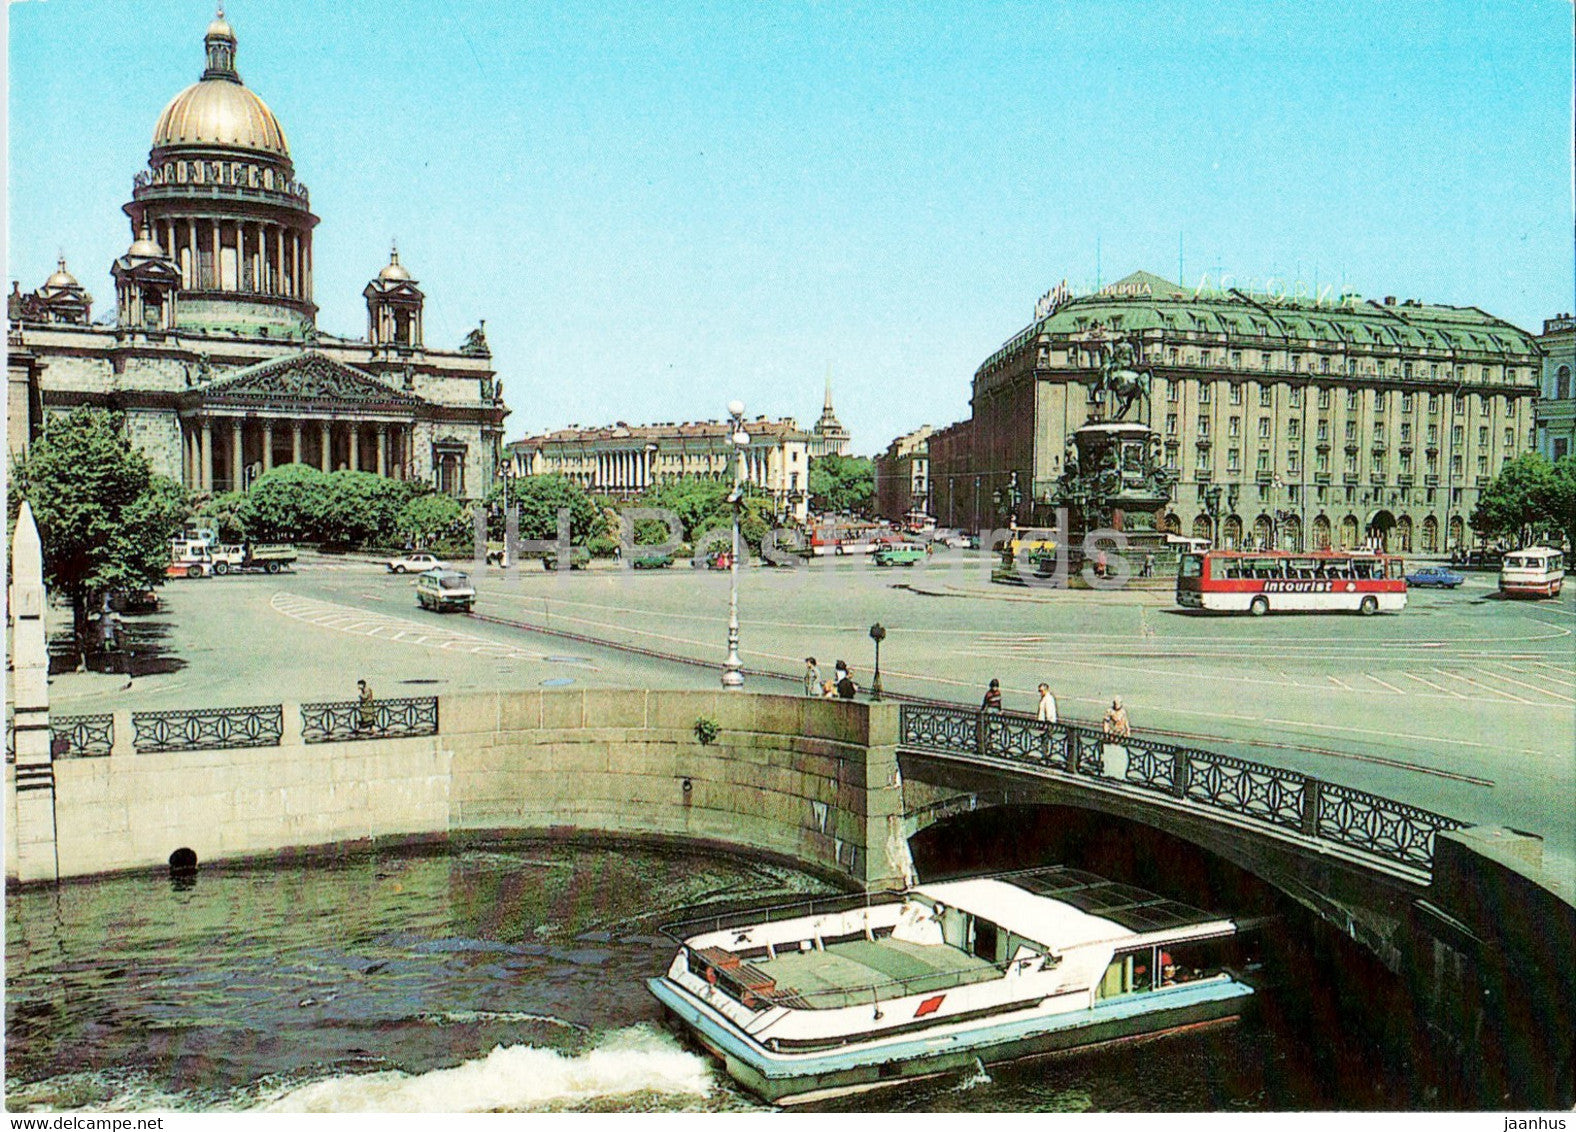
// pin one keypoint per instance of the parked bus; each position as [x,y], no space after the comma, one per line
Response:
[1259,581]
[1537,570]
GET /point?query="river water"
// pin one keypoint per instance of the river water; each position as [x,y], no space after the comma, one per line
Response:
[496,976]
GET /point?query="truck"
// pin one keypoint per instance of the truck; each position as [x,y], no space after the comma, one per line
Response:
[238,558]
[189,558]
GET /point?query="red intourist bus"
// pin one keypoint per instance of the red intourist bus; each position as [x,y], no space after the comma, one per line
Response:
[1259,581]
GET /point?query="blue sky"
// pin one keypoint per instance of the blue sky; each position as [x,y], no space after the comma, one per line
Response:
[660,207]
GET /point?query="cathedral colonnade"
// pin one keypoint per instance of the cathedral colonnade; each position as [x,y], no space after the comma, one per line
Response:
[223,253]
[223,452]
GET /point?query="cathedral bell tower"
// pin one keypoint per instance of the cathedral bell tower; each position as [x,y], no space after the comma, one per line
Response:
[146,281]
[394,305]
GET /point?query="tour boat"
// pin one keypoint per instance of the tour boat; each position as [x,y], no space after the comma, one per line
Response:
[809,1002]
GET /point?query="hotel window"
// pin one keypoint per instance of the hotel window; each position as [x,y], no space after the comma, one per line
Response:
[1203,427]
[1233,460]
[1406,402]
[1264,360]
[1324,430]
[1321,461]
[1173,391]
[1264,460]
[1433,402]
[1406,463]
[1351,367]
[1236,393]
[1324,365]
[1203,459]
[1433,433]
[1203,357]
[1292,459]
[1324,396]
[1294,428]
[1234,427]
[1455,465]
[1296,362]
[1266,396]
[1171,355]
[1351,461]
[1171,424]
[1510,437]
[1203,393]
[1482,434]
[1433,371]
[1351,400]
[1482,465]
[1510,408]
[1236,359]
[1351,430]
[1406,369]
[1264,427]
[1378,426]
[1458,434]
[1461,403]
[1296,396]
[1433,463]
[1406,432]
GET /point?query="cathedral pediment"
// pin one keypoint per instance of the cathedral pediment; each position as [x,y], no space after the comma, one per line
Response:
[308,378]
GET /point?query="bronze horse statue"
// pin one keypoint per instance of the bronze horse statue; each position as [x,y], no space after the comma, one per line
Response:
[1124,383]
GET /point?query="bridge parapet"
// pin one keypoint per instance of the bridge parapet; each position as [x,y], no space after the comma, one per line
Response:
[1278,798]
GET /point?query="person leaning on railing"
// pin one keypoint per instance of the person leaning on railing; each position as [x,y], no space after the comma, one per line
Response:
[1116,724]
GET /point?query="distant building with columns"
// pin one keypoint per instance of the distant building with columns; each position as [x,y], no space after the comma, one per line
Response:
[626,460]
[213,352]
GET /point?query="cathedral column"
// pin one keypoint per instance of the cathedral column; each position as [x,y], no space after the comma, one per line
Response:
[295,251]
[191,236]
[383,449]
[217,281]
[268,446]
[355,446]
[295,443]
[207,455]
[236,474]
[279,245]
[327,450]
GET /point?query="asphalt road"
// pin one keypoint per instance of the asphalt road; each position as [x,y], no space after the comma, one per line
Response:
[1464,703]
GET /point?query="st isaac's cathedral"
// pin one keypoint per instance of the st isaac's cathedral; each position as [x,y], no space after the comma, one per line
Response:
[213,353]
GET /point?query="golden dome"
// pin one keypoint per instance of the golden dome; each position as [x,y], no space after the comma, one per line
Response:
[144,245]
[61,279]
[223,113]
[394,271]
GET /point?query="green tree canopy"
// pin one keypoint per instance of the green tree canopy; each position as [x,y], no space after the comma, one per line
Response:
[540,497]
[226,513]
[286,503]
[1519,502]
[104,518]
[696,500]
[843,484]
[1561,497]
[429,516]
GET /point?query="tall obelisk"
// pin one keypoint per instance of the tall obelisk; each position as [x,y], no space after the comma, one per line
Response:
[31,853]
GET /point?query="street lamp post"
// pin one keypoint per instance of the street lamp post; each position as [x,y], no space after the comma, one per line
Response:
[877,634]
[733,667]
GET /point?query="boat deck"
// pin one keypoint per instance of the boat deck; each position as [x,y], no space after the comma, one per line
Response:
[859,970]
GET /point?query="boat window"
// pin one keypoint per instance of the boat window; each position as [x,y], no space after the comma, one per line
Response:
[987,941]
[1130,972]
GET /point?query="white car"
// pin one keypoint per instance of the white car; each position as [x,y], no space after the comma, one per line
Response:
[415,563]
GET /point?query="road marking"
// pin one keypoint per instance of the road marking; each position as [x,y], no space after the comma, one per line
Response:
[1341,684]
[1383,684]
[1480,684]
[1394,735]
[1562,671]
[1533,687]
[1434,686]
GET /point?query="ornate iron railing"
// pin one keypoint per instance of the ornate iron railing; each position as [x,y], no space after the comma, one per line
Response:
[382,719]
[207,729]
[1276,797]
[78,736]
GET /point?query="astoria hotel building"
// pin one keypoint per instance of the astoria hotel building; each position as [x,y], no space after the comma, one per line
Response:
[213,352]
[1297,424]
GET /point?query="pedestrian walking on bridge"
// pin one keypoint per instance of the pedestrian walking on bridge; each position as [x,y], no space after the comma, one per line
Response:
[812,677]
[1047,712]
[366,707]
[992,700]
[1116,724]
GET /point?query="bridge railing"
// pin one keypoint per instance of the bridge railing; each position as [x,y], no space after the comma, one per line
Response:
[207,729]
[400,718]
[1274,796]
[81,736]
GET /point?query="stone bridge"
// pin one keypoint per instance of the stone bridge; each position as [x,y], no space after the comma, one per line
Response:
[1465,915]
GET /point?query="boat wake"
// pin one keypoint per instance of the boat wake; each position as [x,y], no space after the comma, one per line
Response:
[980,1076]
[638,1059]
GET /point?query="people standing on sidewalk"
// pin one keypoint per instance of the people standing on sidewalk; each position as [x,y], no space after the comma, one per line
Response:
[812,677]
[366,709]
[1047,710]
[846,688]
[1116,724]
[992,700]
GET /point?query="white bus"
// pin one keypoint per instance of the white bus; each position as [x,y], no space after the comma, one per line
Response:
[1537,570]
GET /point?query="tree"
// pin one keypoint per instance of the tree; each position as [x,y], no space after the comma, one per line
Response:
[364,507]
[428,516]
[104,517]
[696,501]
[286,503]
[1518,501]
[540,497]
[843,484]
[226,513]
[1560,498]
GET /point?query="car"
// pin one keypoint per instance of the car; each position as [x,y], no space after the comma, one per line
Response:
[579,559]
[442,590]
[415,563]
[1435,576]
[652,561]
[903,554]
